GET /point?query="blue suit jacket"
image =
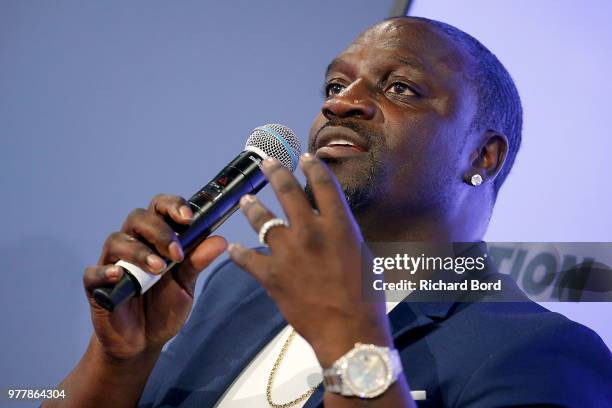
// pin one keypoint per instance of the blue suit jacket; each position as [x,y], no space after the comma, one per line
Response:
[486,354]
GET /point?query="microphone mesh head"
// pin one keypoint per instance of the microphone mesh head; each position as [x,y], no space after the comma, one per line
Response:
[276,141]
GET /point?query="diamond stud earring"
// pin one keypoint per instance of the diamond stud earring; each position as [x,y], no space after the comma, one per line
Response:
[476,180]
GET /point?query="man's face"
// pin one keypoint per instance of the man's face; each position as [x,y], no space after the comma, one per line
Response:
[398,108]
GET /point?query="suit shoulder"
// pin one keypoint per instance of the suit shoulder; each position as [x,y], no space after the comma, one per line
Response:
[549,359]
[530,318]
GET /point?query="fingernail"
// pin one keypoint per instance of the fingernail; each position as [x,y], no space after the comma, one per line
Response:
[237,253]
[113,272]
[269,162]
[307,157]
[247,199]
[186,212]
[155,262]
[176,251]
[234,248]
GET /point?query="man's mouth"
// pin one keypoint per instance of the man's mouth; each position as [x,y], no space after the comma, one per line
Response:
[339,142]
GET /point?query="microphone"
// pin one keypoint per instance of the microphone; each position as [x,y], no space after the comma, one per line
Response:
[212,205]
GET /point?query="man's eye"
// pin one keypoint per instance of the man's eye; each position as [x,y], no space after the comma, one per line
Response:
[333,89]
[400,88]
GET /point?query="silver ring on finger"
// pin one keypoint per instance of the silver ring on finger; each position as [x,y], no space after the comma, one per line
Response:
[267,226]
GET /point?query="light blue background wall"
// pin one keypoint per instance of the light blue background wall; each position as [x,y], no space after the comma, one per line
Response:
[105,103]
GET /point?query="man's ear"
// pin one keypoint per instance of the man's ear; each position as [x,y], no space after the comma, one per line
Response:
[489,156]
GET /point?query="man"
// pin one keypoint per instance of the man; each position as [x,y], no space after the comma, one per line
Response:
[418,130]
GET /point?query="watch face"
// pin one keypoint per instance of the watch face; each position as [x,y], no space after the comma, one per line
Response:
[367,373]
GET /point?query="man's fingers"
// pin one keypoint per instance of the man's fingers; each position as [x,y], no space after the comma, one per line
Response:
[101,275]
[289,192]
[257,214]
[172,206]
[202,256]
[325,187]
[251,261]
[122,246]
[155,231]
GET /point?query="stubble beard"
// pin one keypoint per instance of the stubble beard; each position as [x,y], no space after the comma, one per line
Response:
[362,185]
[361,190]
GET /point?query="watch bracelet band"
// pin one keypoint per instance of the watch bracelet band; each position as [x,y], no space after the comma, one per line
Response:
[332,377]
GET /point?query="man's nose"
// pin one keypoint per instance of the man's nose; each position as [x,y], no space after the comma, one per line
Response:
[352,102]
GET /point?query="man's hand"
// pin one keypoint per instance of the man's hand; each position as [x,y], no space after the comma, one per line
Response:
[126,342]
[313,273]
[149,321]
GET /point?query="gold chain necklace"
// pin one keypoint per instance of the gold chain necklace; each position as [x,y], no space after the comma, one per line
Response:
[272,374]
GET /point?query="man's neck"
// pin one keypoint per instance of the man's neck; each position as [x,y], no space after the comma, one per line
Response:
[429,227]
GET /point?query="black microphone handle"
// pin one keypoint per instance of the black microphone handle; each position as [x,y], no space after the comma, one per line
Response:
[211,206]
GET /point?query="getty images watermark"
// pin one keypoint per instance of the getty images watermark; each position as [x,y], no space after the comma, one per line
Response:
[493,272]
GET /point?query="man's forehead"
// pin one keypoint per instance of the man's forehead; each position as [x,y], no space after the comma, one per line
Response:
[424,43]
